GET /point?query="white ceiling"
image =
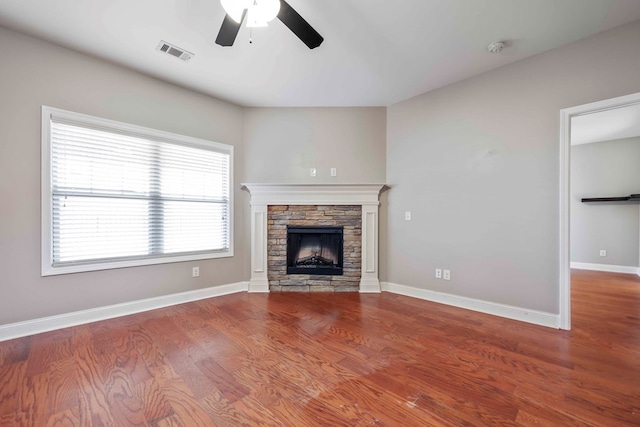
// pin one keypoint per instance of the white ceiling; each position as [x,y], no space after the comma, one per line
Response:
[375,53]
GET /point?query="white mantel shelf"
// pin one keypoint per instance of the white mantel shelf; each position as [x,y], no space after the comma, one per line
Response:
[365,195]
[315,194]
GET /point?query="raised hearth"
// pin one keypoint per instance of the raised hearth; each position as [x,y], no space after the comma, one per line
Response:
[366,196]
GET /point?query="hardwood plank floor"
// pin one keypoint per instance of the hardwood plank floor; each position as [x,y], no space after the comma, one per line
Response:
[288,359]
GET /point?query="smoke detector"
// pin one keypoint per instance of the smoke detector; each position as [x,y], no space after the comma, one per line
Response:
[496,47]
[174,50]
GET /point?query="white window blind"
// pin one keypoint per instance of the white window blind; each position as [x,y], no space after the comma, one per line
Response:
[120,193]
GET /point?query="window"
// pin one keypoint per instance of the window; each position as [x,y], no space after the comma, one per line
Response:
[117,195]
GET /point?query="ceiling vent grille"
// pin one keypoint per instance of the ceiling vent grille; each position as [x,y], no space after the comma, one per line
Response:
[174,50]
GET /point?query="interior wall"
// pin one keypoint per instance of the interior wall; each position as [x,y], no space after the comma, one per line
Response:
[477,164]
[283,144]
[605,169]
[39,73]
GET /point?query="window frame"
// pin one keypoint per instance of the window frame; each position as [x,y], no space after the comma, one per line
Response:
[47,268]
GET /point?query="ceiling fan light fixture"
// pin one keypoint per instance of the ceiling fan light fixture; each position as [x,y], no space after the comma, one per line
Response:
[259,12]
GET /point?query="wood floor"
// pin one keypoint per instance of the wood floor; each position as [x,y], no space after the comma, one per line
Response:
[334,360]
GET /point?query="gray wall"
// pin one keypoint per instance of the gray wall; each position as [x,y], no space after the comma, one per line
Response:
[477,164]
[38,73]
[282,144]
[605,169]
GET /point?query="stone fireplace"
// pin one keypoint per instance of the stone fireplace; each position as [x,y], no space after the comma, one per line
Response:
[316,236]
[277,208]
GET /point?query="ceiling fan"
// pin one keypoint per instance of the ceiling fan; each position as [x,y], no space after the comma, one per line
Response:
[257,14]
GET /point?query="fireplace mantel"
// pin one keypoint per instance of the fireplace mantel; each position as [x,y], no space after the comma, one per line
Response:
[365,195]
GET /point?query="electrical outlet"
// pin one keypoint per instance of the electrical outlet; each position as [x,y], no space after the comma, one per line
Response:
[447,274]
[407,216]
[603,252]
[312,172]
[334,172]
[195,272]
[438,273]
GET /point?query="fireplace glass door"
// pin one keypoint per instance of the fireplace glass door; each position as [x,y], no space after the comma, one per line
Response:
[315,250]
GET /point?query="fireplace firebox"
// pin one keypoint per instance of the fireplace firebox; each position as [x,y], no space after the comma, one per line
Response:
[315,250]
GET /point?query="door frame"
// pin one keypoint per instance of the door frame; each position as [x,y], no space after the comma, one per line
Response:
[564,302]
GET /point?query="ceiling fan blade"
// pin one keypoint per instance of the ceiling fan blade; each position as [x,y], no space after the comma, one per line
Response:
[299,26]
[229,30]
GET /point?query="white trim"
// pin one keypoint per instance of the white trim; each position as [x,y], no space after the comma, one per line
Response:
[259,258]
[541,318]
[258,286]
[564,276]
[564,279]
[369,280]
[45,324]
[314,194]
[606,267]
[370,286]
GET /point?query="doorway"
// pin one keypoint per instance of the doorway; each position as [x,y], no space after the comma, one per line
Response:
[566,116]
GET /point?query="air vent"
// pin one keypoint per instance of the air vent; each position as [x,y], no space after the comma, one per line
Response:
[174,50]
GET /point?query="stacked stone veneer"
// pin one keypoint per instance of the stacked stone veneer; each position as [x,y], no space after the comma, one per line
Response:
[279,216]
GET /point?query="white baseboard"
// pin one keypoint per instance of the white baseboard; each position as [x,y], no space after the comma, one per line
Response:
[258,286]
[606,267]
[369,286]
[550,320]
[45,324]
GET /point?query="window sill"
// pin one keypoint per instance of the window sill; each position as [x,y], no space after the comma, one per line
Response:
[49,270]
